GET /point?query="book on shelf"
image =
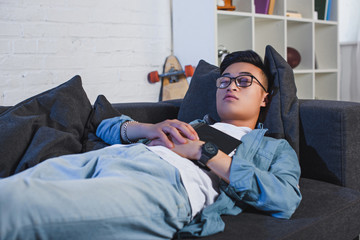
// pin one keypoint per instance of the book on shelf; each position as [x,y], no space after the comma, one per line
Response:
[321,8]
[328,10]
[293,14]
[271,7]
[262,6]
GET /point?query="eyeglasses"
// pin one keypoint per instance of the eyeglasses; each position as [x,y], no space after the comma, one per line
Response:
[241,81]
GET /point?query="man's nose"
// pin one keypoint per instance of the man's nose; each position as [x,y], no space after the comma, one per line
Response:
[232,86]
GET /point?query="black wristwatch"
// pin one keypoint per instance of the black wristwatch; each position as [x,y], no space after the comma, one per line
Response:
[208,151]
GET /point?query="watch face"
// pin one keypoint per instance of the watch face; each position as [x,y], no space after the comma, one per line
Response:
[211,148]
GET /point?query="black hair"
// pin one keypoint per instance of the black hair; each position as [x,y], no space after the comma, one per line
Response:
[248,56]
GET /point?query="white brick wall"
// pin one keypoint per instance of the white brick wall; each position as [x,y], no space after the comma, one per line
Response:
[111,44]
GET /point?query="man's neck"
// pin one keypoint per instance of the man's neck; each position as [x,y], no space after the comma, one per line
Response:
[241,123]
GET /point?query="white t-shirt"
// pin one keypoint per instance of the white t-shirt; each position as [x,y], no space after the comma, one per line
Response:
[202,186]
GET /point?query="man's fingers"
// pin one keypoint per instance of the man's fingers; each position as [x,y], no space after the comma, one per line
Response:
[174,134]
[186,129]
[178,132]
[191,133]
[165,140]
[156,142]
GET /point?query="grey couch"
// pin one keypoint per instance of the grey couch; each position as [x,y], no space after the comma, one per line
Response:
[62,121]
[330,184]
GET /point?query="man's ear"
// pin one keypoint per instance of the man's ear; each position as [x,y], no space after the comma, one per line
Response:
[265,100]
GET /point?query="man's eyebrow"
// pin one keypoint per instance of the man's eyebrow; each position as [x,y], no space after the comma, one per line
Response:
[225,74]
[240,73]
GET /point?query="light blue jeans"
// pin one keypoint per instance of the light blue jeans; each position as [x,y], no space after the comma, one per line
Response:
[112,193]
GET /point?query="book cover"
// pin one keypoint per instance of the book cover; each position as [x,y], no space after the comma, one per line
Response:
[328,11]
[225,142]
[271,7]
[320,8]
[262,6]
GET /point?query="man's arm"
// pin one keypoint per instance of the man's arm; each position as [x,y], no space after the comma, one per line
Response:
[273,190]
[269,181]
[220,164]
[116,130]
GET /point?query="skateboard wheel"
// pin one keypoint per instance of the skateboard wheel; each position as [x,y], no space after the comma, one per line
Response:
[153,77]
[189,71]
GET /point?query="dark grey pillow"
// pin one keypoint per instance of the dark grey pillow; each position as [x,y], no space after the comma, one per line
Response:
[47,125]
[200,99]
[281,117]
[102,110]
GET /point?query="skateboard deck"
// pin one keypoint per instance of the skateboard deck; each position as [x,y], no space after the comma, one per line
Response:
[173,80]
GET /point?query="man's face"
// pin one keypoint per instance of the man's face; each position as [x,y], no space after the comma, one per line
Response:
[241,106]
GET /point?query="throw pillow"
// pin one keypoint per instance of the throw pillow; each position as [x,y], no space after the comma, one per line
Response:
[47,125]
[200,99]
[102,110]
[282,117]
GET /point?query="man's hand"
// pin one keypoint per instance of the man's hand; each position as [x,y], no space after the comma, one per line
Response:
[190,150]
[161,133]
[219,164]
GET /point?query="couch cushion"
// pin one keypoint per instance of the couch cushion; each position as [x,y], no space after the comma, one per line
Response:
[320,216]
[47,125]
[282,115]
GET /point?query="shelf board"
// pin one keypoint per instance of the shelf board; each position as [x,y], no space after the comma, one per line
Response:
[326,70]
[233,13]
[329,22]
[267,16]
[302,71]
[293,19]
[247,14]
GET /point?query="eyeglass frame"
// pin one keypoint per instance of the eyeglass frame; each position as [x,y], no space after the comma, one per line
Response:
[233,79]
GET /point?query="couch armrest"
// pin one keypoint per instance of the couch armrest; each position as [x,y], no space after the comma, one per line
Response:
[330,141]
[148,112]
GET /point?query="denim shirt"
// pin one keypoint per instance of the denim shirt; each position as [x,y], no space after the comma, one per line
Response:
[264,173]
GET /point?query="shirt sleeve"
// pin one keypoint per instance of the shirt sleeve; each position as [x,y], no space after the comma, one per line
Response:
[109,129]
[268,181]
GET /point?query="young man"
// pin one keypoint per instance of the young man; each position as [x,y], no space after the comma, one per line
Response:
[154,190]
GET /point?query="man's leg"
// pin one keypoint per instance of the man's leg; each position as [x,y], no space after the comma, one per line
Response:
[127,197]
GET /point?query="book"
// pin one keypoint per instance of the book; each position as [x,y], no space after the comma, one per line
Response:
[328,10]
[271,7]
[223,141]
[293,14]
[262,6]
[320,8]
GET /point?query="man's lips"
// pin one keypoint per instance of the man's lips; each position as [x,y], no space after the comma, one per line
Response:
[230,96]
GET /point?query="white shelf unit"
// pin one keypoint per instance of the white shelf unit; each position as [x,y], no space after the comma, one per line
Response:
[199,29]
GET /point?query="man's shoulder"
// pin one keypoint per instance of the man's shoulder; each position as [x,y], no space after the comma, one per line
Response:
[259,134]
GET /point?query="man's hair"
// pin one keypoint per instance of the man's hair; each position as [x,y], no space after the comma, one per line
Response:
[248,56]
